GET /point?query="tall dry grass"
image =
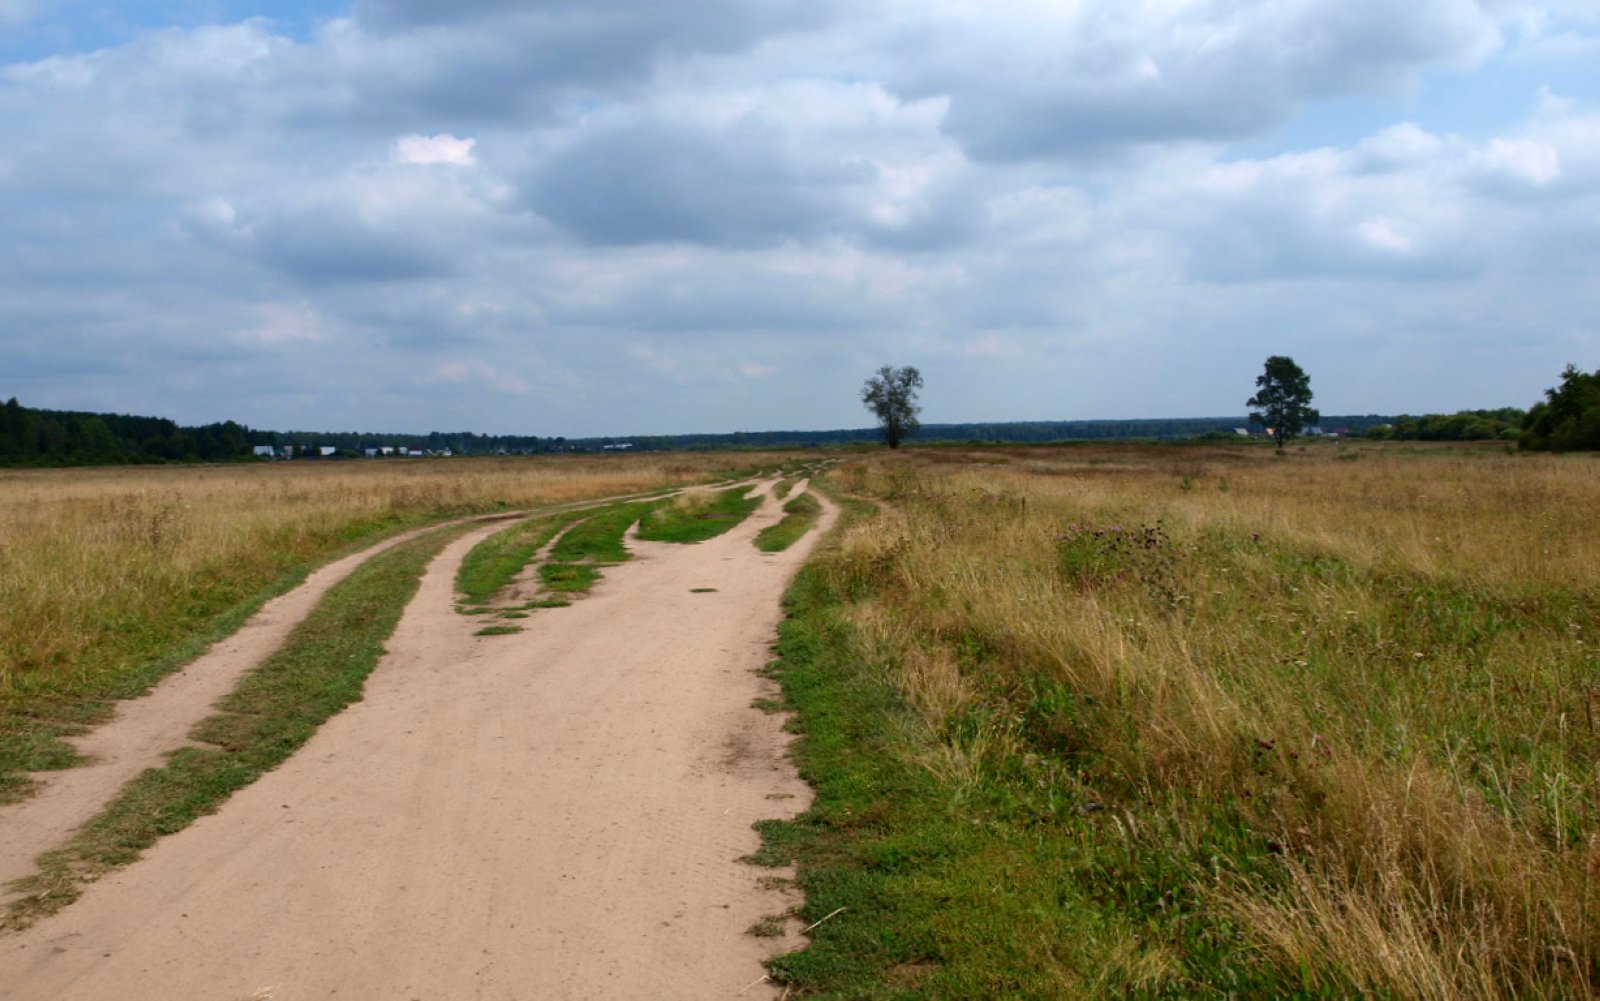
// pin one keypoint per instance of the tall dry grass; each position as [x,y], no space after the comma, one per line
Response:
[1361,683]
[104,571]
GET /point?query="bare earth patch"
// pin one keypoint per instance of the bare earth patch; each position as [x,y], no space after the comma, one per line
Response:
[552,814]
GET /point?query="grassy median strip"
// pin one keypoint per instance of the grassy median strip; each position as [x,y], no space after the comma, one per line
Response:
[276,708]
[493,563]
[697,515]
[596,541]
[799,514]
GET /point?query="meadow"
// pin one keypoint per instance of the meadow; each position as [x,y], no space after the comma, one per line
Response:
[112,577]
[1201,721]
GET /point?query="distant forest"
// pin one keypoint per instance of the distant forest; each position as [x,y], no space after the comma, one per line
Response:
[34,437]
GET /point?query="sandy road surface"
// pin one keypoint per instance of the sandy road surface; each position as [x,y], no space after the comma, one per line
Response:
[552,814]
[148,728]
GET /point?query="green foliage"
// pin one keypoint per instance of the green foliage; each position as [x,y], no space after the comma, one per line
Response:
[891,395]
[1569,418]
[598,536]
[495,562]
[31,437]
[597,540]
[1283,399]
[799,515]
[1465,425]
[1091,556]
[568,578]
[1022,885]
[697,520]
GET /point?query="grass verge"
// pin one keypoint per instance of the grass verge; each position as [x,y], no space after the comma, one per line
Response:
[1201,724]
[320,669]
[696,516]
[577,556]
[493,563]
[950,880]
[799,515]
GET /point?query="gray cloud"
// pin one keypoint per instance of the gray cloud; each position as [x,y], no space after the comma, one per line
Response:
[1087,80]
[654,183]
[630,217]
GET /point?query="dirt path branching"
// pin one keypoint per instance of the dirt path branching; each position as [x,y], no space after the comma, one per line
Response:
[552,813]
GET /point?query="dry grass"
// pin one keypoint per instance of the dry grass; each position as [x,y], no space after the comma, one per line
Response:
[1374,671]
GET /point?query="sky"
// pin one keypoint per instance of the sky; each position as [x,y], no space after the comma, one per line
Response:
[612,217]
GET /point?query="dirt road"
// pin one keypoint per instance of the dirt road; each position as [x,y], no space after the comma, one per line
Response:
[552,814]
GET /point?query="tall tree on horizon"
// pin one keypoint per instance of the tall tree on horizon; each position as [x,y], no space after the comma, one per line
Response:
[892,396]
[1282,402]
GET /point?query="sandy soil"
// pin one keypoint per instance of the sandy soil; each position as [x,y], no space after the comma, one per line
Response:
[552,814]
[148,728]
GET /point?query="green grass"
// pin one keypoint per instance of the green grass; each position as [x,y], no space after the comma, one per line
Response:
[698,517]
[568,578]
[598,537]
[962,878]
[498,631]
[320,669]
[799,515]
[578,555]
[493,563]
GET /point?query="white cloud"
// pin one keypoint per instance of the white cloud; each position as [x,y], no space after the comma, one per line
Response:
[480,373]
[725,216]
[1522,161]
[282,324]
[443,148]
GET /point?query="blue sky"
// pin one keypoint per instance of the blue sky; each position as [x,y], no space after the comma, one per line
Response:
[619,216]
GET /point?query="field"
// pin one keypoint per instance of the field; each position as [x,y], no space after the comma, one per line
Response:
[1193,721]
[110,578]
[1105,720]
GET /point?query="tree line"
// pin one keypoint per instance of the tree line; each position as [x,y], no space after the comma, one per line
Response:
[31,437]
[1567,419]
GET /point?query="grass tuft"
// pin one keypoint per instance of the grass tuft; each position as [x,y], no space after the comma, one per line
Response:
[698,515]
[800,513]
[498,630]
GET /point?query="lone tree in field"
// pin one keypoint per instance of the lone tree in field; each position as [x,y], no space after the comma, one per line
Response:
[1282,402]
[892,396]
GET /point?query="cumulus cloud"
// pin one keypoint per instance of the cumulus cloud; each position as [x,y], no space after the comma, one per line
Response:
[707,216]
[1028,80]
[797,162]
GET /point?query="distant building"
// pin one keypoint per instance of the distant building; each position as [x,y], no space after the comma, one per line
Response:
[1243,431]
[263,451]
[326,450]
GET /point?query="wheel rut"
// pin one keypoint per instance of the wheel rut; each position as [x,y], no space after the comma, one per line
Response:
[556,813]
